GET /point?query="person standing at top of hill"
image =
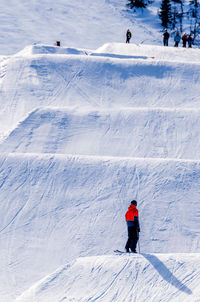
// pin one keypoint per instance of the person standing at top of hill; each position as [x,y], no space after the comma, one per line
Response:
[189,39]
[177,39]
[184,39]
[133,226]
[165,38]
[128,36]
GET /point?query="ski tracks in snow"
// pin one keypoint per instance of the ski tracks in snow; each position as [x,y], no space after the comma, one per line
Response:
[106,290]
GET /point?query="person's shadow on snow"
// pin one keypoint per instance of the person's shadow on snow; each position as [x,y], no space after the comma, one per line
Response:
[166,274]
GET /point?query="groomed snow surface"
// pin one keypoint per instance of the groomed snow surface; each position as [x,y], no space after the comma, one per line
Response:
[157,277]
[82,133]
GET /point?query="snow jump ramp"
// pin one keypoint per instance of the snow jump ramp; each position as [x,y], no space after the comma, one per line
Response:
[127,278]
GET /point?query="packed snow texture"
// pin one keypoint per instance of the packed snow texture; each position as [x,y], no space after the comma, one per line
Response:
[165,276]
[133,132]
[82,133]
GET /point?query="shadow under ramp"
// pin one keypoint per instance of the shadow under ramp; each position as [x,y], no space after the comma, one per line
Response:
[166,274]
[118,56]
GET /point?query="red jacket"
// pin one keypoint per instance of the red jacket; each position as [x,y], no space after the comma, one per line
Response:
[131,213]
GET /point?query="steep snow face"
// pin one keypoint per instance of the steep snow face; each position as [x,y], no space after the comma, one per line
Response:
[32,81]
[155,277]
[141,132]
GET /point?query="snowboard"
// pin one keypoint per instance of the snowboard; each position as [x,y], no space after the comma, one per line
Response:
[123,252]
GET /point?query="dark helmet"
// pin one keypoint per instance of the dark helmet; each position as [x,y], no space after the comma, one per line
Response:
[134,202]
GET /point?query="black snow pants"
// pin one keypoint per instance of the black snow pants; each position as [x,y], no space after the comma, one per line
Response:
[165,41]
[132,239]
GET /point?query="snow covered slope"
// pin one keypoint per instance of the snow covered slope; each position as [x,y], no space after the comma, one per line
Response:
[146,277]
[55,208]
[129,132]
[87,24]
[84,132]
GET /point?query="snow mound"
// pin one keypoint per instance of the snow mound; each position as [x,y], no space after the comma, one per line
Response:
[127,278]
[162,132]
[48,49]
[139,51]
[30,82]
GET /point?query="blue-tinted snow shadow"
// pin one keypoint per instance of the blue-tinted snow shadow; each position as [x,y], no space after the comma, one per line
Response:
[166,274]
[115,56]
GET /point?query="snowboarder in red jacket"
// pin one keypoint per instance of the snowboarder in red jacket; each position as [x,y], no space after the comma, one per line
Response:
[133,225]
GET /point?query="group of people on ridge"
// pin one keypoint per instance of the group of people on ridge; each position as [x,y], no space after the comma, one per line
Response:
[177,38]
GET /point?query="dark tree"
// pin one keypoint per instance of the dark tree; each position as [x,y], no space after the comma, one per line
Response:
[194,5]
[136,4]
[179,13]
[165,13]
[174,17]
[194,16]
